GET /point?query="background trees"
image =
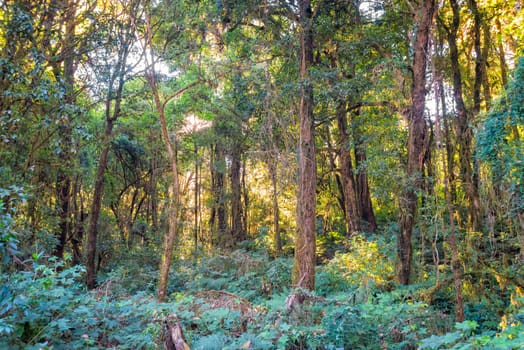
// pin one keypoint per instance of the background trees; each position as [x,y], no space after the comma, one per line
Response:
[141,136]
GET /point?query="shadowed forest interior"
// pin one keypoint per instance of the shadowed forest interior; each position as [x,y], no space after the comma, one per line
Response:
[261,174]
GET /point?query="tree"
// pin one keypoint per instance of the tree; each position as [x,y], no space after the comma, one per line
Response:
[417,139]
[120,44]
[305,246]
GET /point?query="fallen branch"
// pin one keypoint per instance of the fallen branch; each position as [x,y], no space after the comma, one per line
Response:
[174,337]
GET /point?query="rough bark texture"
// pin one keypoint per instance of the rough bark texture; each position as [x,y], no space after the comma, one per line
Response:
[304,260]
[351,208]
[416,140]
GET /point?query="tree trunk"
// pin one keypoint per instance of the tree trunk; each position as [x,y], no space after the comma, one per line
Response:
[111,115]
[64,176]
[363,194]
[217,220]
[94,214]
[464,130]
[276,210]
[196,197]
[456,267]
[237,230]
[169,240]
[416,141]
[305,246]
[502,55]
[351,208]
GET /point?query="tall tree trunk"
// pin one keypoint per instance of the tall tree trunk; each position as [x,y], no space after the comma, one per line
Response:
[305,246]
[237,229]
[456,267]
[363,193]
[464,130]
[217,220]
[416,140]
[196,197]
[173,217]
[351,208]
[276,209]
[112,112]
[94,214]
[64,177]
[502,54]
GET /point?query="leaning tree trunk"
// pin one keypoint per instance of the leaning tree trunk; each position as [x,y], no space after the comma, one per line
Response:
[416,140]
[304,260]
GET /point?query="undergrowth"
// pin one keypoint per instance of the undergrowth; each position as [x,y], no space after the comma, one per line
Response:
[239,301]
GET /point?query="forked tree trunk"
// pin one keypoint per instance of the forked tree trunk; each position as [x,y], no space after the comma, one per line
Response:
[416,140]
[305,245]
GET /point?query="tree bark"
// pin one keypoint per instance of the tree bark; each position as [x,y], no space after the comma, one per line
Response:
[416,140]
[305,246]
[363,194]
[64,176]
[276,209]
[351,208]
[112,112]
[217,219]
[94,214]
[464,130]
[237,230]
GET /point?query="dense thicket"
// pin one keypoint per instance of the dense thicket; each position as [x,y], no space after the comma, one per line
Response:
[190,149]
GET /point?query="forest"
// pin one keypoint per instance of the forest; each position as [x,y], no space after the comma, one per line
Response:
[261,174]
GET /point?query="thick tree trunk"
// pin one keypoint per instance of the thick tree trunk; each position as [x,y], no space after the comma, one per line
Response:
[416,140]
[305,246]
[351,208]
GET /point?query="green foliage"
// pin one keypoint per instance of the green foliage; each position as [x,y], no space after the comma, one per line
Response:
[366,266]
[500,144]
[467,336]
